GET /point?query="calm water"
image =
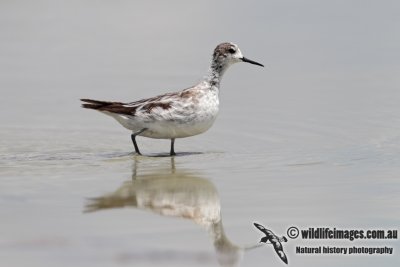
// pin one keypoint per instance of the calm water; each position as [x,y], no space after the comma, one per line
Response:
[311,140]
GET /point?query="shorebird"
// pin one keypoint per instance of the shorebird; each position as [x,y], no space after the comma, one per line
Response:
[274,240]
[179,114]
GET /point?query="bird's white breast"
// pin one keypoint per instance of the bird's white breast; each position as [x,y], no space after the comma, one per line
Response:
[186,118]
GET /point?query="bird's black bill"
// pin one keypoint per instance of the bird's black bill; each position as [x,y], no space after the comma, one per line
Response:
[251,62]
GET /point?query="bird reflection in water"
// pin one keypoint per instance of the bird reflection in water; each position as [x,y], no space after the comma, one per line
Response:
[177,194]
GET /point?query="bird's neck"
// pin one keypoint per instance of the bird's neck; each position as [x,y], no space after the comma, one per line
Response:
[215,73]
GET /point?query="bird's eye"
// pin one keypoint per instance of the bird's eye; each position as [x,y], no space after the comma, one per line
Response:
[232,51]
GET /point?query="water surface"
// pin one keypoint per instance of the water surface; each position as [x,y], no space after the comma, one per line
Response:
[313,139]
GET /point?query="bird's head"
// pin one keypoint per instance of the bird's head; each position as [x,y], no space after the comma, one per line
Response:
[265,239]
[226,54]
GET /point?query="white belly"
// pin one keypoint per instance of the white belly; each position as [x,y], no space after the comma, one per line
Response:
[172,129]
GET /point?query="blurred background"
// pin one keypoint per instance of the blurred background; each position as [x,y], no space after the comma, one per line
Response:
[312,139]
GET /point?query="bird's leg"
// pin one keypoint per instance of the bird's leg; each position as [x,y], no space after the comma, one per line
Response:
[172,152]
[133,137]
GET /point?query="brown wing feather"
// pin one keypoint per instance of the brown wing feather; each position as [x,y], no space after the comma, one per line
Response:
[163,101]
[115,107]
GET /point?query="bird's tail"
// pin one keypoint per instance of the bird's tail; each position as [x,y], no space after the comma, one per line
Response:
[109,202]
[95,104]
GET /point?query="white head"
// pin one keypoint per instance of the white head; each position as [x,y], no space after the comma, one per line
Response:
[226,54]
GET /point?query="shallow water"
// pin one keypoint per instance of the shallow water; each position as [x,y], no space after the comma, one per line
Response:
[311,140]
